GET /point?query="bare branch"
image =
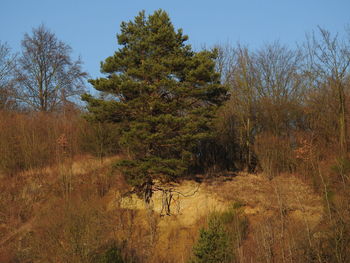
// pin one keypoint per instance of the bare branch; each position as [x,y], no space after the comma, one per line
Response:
[46,75]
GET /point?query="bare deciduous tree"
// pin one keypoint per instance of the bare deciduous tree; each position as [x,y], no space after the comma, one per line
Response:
[244,95]
[46,74]
[329,62]
[280,86]
[7,65]
[266,88]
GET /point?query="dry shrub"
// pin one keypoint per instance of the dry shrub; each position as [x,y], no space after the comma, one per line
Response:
[15,206]
[99,139]
[42,139]
[39,205]
[329,173]
[277,241]
[275,154]
[30,140]
[68,231]
[72,224]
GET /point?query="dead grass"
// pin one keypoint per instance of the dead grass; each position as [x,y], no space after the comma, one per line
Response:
[267,203]
[144,232]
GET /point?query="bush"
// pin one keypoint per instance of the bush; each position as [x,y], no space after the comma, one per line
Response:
[224,234]
[213,244]
[99,139]
[275,154]
[27,141]
[342,169]
[41,139]
[112,254]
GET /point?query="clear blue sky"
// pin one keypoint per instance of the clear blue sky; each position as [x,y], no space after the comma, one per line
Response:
[90,26]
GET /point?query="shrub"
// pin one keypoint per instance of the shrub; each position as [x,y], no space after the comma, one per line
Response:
[275,154]
[342,168]
[112,254]
[99,139]
[41,139]
[224,234]
[213,244]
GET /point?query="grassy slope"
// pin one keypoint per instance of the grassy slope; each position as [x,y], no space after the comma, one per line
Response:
[285,204]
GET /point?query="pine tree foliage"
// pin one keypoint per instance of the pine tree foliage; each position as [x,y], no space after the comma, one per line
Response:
[219,241]
[213,245]
[163,96]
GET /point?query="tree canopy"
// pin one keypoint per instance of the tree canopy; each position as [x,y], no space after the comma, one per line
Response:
[46,75]
[162,94]
[7,65]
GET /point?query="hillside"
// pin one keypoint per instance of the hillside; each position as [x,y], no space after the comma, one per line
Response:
[47,214]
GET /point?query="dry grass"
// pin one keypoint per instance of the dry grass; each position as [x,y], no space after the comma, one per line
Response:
[267,203]
[39,195]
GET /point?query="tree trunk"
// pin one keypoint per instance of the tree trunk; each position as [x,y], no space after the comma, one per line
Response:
[342,122]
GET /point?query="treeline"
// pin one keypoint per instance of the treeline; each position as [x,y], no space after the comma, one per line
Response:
[284,100]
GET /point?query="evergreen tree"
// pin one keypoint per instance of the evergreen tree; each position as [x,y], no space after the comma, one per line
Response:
[163,96]
[213,245]
[224,234]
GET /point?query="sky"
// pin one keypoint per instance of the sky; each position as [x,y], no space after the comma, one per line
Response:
[90,26]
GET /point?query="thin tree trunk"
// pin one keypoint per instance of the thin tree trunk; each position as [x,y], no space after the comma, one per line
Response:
[342,122]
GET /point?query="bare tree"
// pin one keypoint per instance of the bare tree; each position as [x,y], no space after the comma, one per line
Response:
[280,86]
[240,76]
[225,61]
[329,65]
[266,87]
[7,65]
[46,74]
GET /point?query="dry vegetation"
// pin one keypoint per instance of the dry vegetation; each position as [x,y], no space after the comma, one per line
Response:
[271,184]
[61,201]
[45,222]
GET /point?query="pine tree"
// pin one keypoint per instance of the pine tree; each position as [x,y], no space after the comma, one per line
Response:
[163,96]
[213,245]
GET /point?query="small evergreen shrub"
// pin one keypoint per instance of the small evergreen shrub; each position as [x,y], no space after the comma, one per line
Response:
[217,242]
[110,255]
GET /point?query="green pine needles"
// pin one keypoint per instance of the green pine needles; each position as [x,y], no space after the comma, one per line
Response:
[219,241]
[213,245]
[163,96]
